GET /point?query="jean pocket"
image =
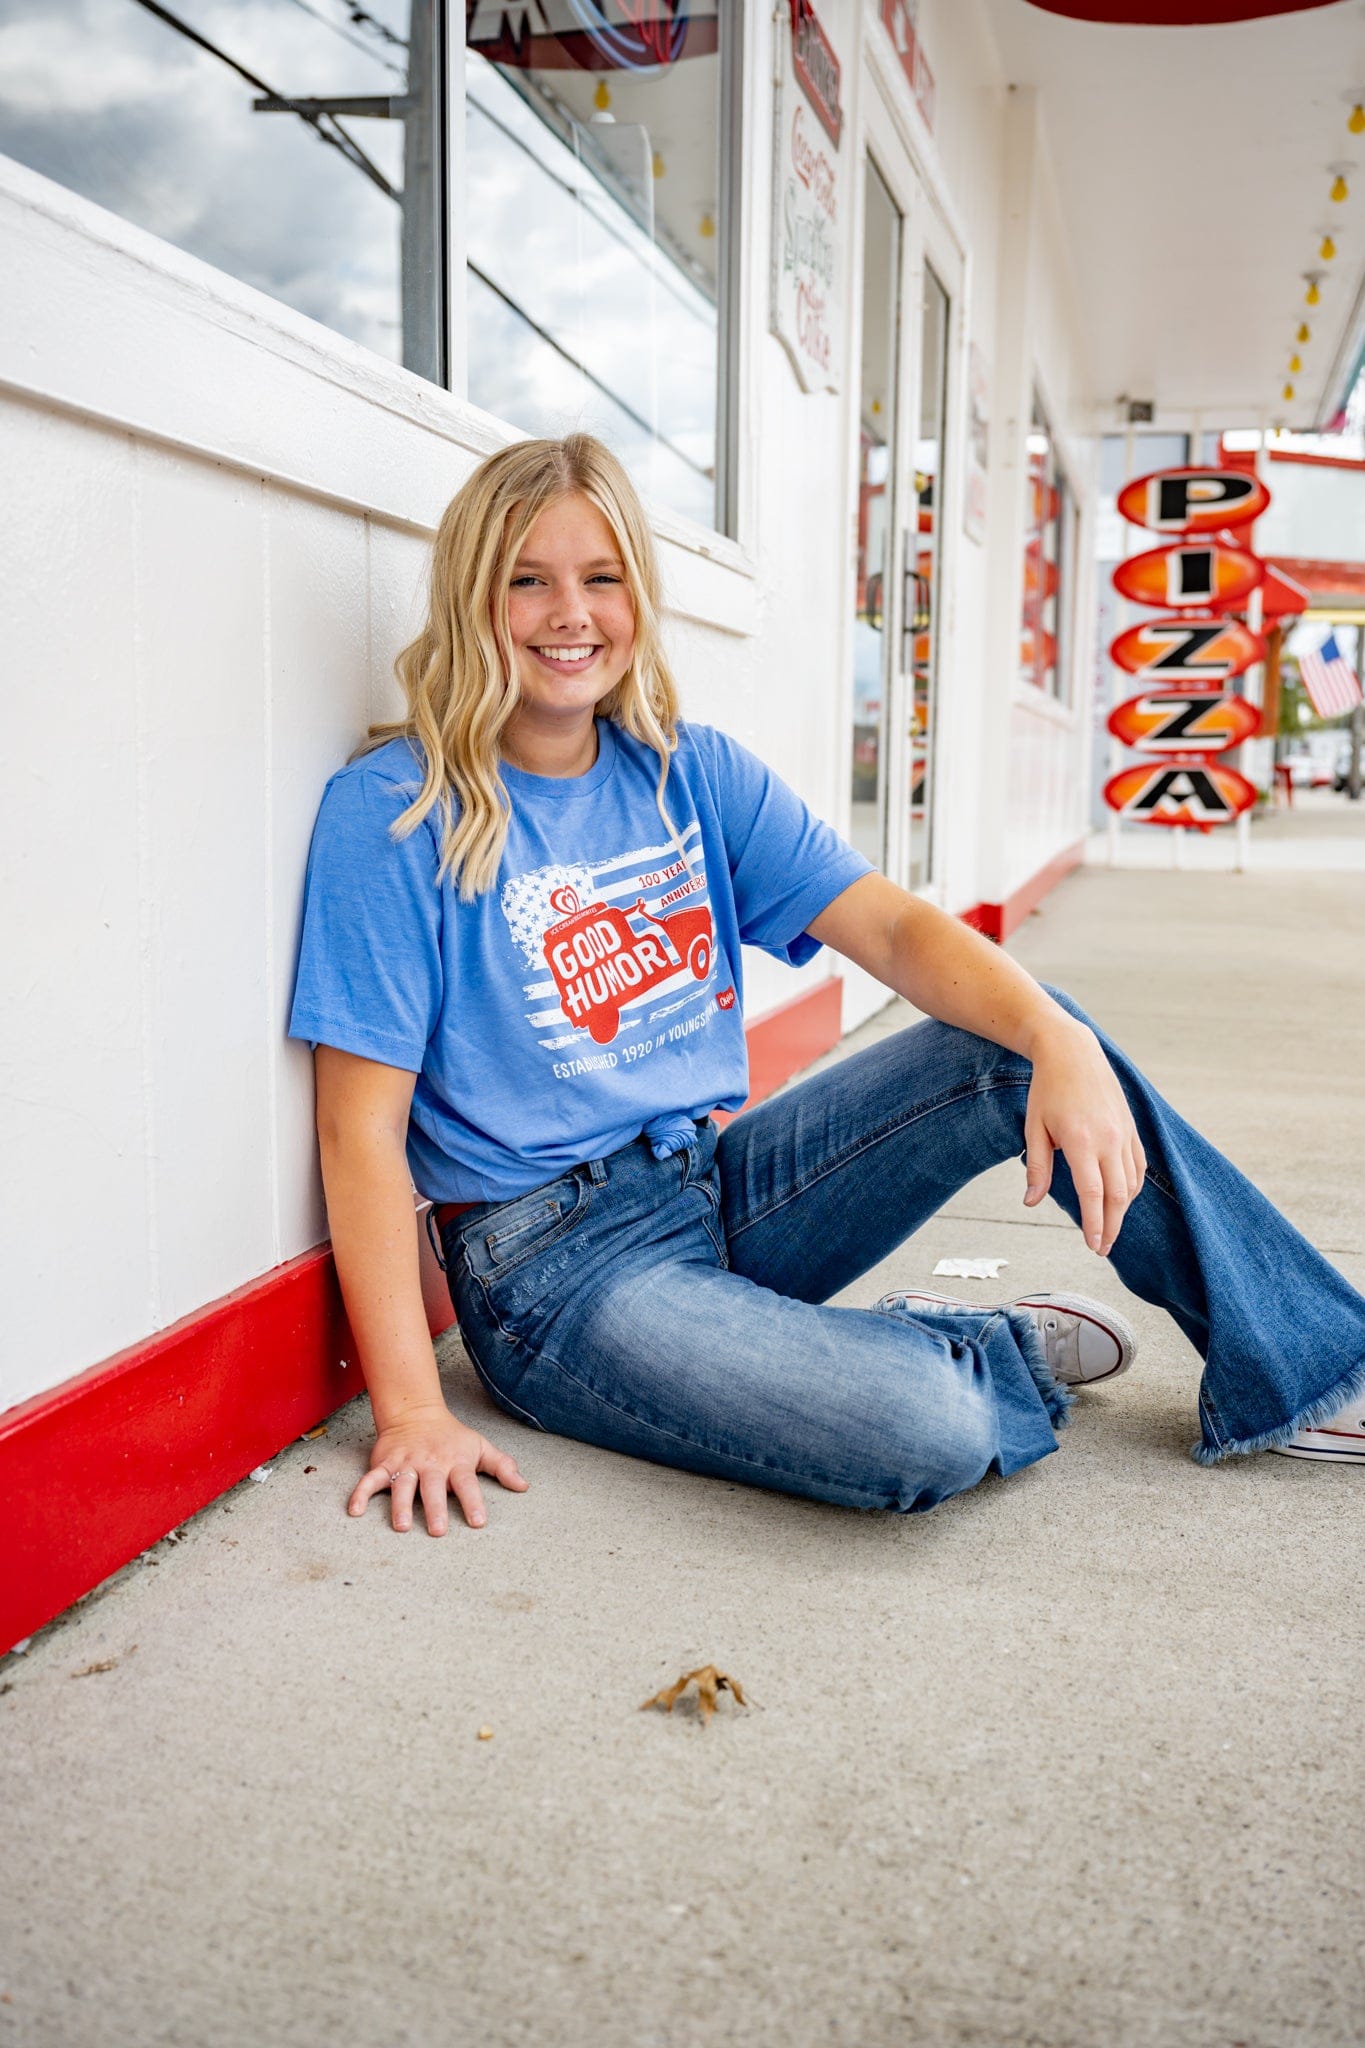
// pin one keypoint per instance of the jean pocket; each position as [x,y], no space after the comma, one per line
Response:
[521,1228]
[503,1240]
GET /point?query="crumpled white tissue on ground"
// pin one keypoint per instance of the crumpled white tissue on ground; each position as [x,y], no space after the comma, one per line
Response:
[260,1474]
[970,1269]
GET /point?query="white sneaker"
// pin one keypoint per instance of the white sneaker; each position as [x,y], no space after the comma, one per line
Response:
[1085,1342]
[1341,1436]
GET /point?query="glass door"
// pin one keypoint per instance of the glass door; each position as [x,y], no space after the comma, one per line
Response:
[924,578]
[874,656]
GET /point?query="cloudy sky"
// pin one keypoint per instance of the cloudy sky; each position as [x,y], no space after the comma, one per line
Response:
[104,98]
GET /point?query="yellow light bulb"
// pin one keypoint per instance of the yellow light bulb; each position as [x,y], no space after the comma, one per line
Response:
[1295,365]
[1340,189]
[706,227]
[1288,391]
[601,99]
[1356,124]
[1312,295]
[1327,248]
[1303,334]
[658,165]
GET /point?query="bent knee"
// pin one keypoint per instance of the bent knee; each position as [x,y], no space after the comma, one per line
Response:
[947,1453]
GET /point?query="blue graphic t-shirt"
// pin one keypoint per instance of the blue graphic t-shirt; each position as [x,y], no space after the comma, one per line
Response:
[594,991]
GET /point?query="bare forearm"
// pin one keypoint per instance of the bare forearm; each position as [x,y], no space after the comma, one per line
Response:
[941,967]
[374,1239]
[951,972]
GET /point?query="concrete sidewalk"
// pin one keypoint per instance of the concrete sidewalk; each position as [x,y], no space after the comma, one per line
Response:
[1072,1761]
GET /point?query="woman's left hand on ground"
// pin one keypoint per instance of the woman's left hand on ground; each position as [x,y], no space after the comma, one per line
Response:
[1076,1107]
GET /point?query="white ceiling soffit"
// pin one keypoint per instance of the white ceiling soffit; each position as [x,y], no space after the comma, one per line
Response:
[1192,166]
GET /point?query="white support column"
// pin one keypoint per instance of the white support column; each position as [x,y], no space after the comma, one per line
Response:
[1014,374]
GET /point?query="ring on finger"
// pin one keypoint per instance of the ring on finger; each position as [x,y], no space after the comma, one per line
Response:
[405,1474]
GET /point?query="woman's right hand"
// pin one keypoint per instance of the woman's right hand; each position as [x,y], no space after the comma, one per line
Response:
[431,1449]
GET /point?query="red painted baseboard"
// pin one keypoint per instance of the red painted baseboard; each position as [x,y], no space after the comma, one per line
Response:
[998,920]
[152,1435]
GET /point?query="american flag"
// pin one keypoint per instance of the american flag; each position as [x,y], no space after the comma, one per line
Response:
[1329,679]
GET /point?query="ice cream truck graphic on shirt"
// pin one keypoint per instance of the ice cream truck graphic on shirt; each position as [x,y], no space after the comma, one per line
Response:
[600,962]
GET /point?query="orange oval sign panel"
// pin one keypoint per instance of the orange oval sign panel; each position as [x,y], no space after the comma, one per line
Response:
[1191,573]
[1189,791]
[1193,500]
[1184,722]
[1194,653]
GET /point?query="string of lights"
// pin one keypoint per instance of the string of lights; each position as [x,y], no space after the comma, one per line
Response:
[1338,192]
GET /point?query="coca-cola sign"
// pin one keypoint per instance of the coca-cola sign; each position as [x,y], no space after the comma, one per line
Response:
[817,67]
[807,226]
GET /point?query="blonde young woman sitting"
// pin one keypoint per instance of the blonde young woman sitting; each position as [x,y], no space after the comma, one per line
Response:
[521,971]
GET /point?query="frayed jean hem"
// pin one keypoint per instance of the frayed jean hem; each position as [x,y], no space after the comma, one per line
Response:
[1057,1398]
[1312,1417]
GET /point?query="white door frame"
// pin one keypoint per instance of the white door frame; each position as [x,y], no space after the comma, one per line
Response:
[926,237]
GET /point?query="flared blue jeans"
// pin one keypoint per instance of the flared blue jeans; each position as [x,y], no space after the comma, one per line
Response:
[674,1308]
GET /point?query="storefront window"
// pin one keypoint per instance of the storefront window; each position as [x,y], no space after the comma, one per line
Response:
[599,230]
[1049,526]
[292,143]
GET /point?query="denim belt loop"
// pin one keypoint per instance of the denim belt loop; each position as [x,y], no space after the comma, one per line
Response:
[597,1172]
[434,1237]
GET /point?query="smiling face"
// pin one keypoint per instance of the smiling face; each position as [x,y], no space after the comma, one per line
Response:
[572,621]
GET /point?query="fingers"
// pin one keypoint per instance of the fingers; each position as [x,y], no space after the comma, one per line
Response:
[502,1468]
[434,1499]
[1037,1162]
[406,1473]
[465,1488]
[1116,1197]
[374,1481]
[402,1494]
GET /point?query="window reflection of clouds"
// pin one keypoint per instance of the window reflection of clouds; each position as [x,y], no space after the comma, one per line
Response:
[547,231]
[104,98]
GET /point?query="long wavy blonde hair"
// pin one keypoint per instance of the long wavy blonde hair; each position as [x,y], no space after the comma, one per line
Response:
[459,676]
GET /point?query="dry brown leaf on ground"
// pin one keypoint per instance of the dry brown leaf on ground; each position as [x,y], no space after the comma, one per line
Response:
[709,1683]
[103,1663]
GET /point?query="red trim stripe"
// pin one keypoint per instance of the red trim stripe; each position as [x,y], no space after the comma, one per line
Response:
[1316,461]
[155,1433]
[998,920]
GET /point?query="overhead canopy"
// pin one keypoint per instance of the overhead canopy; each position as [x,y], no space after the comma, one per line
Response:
[1334,588]
[1193,167]
[1170,13]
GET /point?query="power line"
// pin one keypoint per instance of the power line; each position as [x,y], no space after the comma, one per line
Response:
[334,135]
[366,49]
[362,18]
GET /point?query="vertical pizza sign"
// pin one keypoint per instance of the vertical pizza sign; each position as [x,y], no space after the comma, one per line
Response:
[808,200]
[1182,660]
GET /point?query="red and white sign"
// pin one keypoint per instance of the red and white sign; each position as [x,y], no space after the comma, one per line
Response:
[1193,500]
[1190,791]
[1192,652]
[807,225]
[817,68]
[1191,574]
[1184,722]
[900,19]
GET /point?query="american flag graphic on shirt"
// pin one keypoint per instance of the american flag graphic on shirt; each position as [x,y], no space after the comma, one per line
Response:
[627,941]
